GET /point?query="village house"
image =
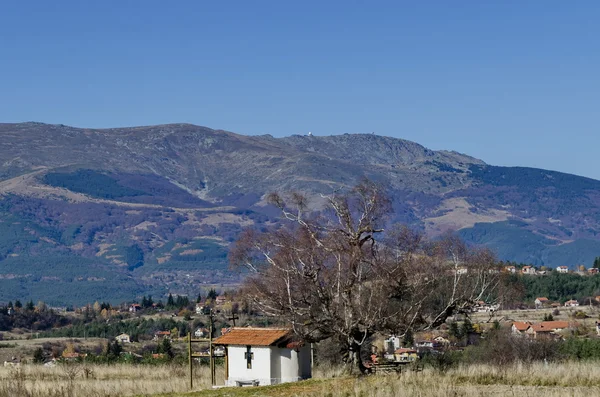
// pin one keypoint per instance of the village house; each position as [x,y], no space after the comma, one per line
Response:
[547,329]
[123,338]
[593,270]
[390,345]
[264,356]
[482,307]
[134,308]
[519,327]
[427,344]
[220,300]
[510,269]
[160,335]
[571,303]
[540,302]
[404,355]
[201,333]
[528,270]
[441,341]
[563,269]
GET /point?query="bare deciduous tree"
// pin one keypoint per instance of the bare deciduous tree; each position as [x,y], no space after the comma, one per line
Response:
[331,277]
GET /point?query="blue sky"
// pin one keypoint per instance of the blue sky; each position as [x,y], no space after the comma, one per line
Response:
[510,82]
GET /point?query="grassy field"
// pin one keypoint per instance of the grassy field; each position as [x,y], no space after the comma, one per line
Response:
[76,380]
[552,380]
[571,379]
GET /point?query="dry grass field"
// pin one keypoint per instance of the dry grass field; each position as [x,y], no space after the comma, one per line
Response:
[552,380]
[75,380]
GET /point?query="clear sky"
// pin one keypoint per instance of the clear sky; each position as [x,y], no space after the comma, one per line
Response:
[511,82]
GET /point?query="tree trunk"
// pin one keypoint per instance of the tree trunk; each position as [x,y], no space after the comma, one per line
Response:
[353,359]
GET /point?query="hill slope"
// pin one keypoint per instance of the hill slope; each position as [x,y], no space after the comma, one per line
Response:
[155,207]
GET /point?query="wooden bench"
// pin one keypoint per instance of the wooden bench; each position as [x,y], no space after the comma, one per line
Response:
[241,383]
[387,368]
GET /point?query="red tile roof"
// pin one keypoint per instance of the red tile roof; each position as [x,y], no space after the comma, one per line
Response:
[555,324]
[540,328]
[404,350]
[254,336]
[521,325]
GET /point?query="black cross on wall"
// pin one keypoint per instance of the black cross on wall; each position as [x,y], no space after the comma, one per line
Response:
[249,356]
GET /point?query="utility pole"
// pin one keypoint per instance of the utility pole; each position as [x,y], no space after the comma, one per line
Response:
[192,355]
[189,336]
[210,350]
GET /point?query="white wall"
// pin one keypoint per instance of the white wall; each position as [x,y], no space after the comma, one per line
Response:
[261,365]
[290,370]
[271,365]
[275,365]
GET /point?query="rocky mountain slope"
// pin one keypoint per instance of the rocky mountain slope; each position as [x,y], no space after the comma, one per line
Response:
[153,209]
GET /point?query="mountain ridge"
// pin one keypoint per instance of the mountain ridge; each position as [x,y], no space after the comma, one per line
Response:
[178,194]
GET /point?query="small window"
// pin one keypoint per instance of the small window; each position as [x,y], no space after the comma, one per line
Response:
[249,356]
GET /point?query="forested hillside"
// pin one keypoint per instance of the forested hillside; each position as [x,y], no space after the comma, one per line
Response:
[111,214]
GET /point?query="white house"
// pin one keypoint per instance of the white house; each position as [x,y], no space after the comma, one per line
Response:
[528,270]
[571,303]
[541,301]
[563,269]
[201,333]
[123,338]
[264,356]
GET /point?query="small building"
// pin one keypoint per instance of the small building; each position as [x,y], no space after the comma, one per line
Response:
[427,344]
[160,335]
[571,303]
[528,270]
[441,341]
[542,301]
[519,327]
[390,345]
[563,269]
[264,356]
[201,333]
[123,338]
[134,308]
[547,328]
[404,355]
[220,300]
[510,269]
[593,270]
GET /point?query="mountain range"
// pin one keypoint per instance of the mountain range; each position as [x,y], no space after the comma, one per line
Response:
[111,214]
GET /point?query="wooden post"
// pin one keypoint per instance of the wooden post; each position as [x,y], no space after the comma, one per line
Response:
[189,335]
[210,351]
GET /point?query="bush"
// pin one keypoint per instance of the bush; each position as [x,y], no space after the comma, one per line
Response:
[503,348]
[442,361]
